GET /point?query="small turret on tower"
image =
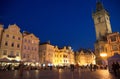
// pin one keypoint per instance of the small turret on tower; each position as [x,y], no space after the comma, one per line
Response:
[99,6]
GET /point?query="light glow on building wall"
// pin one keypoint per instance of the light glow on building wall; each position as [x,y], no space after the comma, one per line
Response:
[103,54]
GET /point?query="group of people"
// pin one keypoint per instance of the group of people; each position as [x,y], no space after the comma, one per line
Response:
[115,68]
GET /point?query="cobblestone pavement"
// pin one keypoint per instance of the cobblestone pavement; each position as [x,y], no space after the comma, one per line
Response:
[58,74]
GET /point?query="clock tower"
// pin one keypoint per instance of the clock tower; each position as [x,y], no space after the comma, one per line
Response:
[101,21]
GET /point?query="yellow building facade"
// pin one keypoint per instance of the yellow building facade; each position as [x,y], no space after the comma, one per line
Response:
[64,56]
[11,42]
[85,57]
[52,55]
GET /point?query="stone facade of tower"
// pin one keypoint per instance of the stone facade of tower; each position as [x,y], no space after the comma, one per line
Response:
[101,21]
[104,47]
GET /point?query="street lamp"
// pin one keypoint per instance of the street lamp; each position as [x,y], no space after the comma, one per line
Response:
[103,54]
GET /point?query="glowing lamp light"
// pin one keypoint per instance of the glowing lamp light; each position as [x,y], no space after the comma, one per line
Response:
[103,54]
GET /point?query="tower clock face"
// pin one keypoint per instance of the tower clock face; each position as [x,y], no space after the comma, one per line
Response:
[99,19]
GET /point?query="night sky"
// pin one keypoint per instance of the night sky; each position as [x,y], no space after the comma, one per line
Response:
[62,22]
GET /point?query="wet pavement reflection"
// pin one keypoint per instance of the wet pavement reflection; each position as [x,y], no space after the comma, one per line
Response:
[58,74]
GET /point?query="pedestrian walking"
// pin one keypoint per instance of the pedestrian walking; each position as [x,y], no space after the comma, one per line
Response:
[117,67]
[114,68]
[72,67]
[91,67]
[94,67]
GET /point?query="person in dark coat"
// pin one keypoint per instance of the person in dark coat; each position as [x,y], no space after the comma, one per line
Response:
[114,68]
[91,67]
[117,67]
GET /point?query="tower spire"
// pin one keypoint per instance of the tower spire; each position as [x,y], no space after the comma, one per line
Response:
[99,6]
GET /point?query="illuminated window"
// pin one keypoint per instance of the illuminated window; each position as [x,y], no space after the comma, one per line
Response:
[60,60]
[114,47]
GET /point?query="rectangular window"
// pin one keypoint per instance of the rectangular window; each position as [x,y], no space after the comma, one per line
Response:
[13,37]
[114,47]
[4,52]
[12,45]
[18,45]
[113,38]
[18,38]
[17,53]
[7,36]
[6,43]
[11,53]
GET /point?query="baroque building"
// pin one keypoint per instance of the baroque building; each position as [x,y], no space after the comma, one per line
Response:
[52,55]
[46,53]
[64,56]
[114,43]
[30,48]
[11,42]
[85,57]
